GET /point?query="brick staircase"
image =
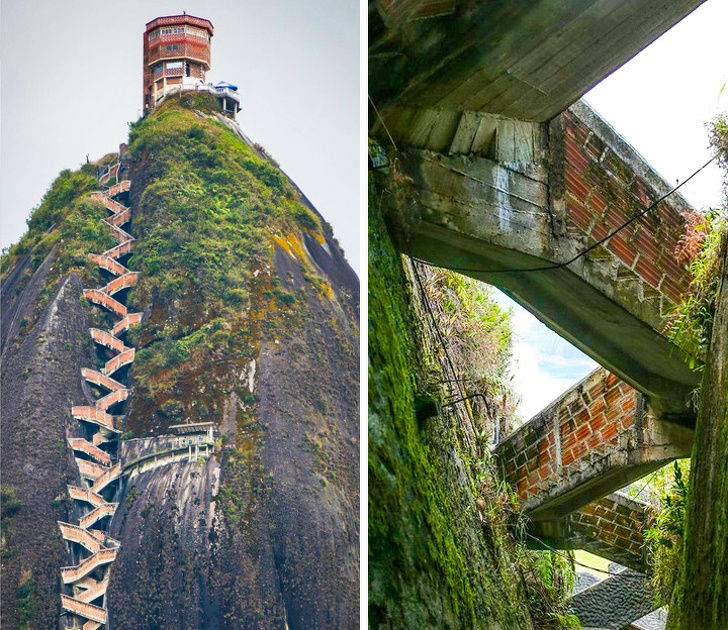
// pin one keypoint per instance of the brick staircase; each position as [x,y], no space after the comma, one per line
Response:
[83,600]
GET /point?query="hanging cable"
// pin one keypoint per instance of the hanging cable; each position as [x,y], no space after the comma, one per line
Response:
[431,313]
[381,120]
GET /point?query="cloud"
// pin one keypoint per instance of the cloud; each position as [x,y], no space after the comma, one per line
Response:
[544,364]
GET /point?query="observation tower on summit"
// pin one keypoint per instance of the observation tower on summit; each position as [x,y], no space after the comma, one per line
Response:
[176,54]
[176,58]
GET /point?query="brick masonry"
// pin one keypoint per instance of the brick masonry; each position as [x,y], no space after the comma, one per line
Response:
[614,603]
[603,187]
[610,527]
[599,436]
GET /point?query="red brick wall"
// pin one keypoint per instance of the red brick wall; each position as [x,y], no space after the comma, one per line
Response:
[602,192]
[591,418]
[119,188]
[122,282]
[187,49]
[613,527]
[168,20]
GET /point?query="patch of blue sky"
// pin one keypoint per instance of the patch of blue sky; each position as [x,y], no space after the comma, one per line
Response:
[544,364]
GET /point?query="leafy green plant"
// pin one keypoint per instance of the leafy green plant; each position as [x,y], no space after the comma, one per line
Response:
[478,333]
[26,601]
[664,537]
[690,324]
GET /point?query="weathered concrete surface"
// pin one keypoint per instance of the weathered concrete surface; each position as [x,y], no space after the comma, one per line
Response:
[529,59]
[615,602]
[507,196]
[610,527]
[596,438]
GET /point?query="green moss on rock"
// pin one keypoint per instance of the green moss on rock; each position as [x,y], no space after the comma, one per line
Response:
[432,563]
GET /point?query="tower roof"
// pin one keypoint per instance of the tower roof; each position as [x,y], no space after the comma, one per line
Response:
[192,20]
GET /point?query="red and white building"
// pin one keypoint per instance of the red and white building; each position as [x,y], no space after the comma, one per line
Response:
[176,56]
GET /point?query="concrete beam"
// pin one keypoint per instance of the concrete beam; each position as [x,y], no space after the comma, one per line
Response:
[490,195]
[527,60]
[475,214]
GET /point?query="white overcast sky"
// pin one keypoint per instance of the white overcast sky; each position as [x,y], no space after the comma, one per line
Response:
[659,102]
[296,65]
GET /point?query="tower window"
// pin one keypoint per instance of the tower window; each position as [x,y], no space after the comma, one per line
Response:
[172,47]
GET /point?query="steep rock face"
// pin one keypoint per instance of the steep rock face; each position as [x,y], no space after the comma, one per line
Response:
[161,579]
[40,382]
[251,322]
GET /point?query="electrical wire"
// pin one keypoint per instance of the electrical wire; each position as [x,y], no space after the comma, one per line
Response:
[381,120]
[458,381]
[555,266]
[428,307]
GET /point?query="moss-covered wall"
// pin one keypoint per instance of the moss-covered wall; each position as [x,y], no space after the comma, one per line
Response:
[439,555]
[701,596]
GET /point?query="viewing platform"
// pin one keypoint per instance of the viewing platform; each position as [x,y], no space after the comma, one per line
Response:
[226,94]
[187,442]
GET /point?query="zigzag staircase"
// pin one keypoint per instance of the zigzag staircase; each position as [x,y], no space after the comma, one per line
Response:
[95,444]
